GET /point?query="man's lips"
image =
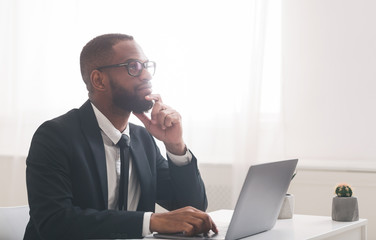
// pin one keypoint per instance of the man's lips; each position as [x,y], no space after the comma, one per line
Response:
[145,87]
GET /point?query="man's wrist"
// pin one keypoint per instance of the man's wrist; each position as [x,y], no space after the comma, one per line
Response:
[177,148]
[154,222]
[180,160]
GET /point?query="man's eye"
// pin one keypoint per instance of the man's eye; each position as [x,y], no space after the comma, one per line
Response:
[133,66]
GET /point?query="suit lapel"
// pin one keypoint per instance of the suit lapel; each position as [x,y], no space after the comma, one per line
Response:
[93,135]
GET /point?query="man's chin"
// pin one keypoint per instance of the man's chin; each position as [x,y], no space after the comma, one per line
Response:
[144,107]
[139,112]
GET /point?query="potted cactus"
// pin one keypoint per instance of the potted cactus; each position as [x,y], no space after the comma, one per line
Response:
[344,206]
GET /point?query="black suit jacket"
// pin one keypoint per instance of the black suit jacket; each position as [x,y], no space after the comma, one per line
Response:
[67,181]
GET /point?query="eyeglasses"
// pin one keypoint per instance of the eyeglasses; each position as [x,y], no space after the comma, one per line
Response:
[134,67]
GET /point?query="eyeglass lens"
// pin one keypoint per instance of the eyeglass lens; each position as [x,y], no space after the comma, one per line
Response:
[135,68]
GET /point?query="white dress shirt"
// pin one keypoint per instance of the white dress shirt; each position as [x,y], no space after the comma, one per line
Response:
[111,136]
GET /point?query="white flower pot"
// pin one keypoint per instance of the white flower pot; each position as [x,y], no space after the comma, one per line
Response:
[287,208]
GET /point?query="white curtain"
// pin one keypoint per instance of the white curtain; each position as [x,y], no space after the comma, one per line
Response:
[217,64]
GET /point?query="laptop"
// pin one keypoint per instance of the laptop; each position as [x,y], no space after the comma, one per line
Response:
[259,202]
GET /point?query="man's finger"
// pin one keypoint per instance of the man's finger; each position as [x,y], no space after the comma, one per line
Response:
[200,221]
[204,222]
[154,97]
[188,220]
[158,106]
[214,227]
[192,225]
[172,118]
[163,116]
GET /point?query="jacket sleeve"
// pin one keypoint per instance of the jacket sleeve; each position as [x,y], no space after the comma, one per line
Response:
[180,186]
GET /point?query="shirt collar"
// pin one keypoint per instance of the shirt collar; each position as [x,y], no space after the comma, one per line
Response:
[108,128]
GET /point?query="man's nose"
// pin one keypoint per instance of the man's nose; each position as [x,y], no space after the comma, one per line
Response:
[145,75]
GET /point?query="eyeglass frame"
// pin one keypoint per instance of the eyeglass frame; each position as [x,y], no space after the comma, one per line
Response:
[143,64]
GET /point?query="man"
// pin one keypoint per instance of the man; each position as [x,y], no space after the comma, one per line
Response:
[74,162]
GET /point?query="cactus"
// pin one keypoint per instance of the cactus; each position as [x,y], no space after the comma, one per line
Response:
[343,190]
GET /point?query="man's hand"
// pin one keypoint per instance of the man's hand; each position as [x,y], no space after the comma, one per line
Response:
[188,220]
[165,125]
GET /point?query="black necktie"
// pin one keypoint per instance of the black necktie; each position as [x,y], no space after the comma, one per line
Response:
[124,172]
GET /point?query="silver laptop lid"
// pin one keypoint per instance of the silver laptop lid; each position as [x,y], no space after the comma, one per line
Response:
[261,198]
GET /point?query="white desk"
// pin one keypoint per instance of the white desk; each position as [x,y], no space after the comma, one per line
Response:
[305,227]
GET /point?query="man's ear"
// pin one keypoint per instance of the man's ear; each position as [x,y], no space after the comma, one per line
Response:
[97,80]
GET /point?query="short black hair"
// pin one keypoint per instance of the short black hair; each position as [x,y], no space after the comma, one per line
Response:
[97,52]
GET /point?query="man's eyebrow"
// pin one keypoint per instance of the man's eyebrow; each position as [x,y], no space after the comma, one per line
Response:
[130,60]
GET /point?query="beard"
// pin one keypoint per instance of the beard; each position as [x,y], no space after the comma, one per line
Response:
[128,101]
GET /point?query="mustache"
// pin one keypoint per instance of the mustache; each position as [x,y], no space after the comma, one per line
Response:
[143,86]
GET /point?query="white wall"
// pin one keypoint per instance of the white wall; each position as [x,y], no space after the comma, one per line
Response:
[329,73]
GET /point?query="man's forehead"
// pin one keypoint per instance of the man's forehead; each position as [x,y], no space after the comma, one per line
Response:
[128,49]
